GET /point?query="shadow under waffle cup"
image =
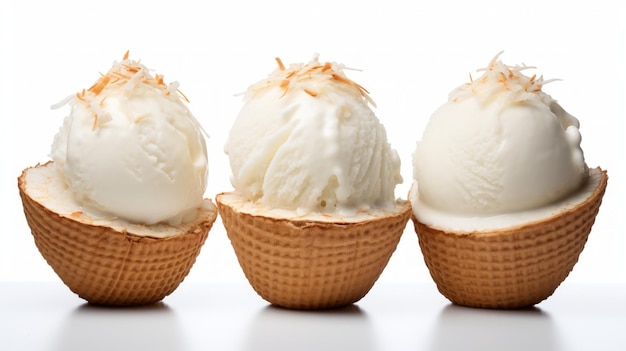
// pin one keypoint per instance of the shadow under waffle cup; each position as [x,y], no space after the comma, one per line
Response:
[510,268]
[302,264]
[108,267]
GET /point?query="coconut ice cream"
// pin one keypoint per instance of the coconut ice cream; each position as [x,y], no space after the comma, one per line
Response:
[307,140]
[131,149]
[313,218]
[119,212]
[501,186]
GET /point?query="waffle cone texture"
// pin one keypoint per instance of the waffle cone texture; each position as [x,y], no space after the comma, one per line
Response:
[109,267]
[509,268]
[305,264]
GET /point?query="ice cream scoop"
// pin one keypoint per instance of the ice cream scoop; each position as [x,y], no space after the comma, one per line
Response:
[307,140]
[131,148]
[499,145]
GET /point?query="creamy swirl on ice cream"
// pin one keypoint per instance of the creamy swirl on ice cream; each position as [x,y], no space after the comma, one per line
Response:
[131,149]
[307,140]
[500,145]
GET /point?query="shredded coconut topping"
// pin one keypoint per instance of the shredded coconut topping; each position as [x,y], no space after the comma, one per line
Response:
[298,76]
[499,78]
[126,75]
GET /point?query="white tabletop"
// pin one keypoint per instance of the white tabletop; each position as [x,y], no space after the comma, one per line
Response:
[203,316]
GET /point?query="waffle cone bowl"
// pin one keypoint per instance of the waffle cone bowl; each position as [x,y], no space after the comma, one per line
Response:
[509,268]
[311,264]
[107,265]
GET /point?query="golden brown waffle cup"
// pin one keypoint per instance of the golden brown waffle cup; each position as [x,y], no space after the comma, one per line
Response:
[307,264]
[109,267]
[510,268]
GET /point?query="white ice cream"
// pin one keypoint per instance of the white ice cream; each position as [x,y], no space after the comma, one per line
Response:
[306,140]
[131,149]
[499,145]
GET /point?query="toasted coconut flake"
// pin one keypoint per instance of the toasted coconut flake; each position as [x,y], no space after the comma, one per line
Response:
[499,78]
[124,75]
[307,77]
[182,95]
[140,118]
[280,64]
[95,121]
[100,85]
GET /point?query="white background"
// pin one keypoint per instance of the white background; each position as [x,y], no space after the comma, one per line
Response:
[411,55]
